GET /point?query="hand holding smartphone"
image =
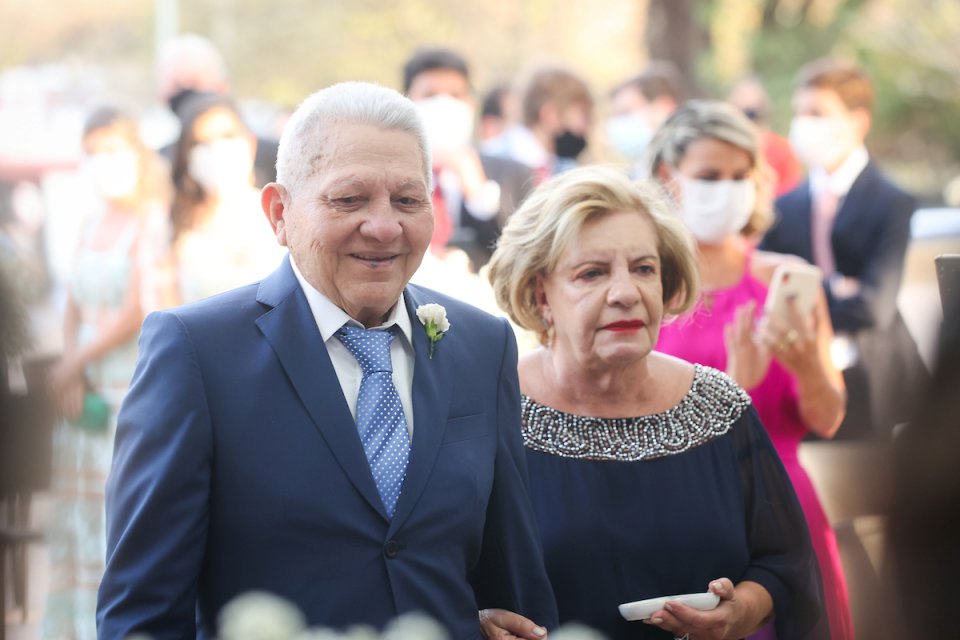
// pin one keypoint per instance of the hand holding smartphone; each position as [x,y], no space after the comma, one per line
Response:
[799,282]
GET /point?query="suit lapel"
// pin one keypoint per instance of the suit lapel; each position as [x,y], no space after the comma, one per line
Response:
[432,387]
[850,215]
[804,222]
[291,330]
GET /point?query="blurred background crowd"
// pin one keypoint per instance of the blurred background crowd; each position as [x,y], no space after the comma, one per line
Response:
[132,150]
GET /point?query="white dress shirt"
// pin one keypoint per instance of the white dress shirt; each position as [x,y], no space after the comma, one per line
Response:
[843,349]
[843,177]
[329,318]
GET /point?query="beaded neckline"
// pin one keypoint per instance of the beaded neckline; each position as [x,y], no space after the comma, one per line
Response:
[708,410]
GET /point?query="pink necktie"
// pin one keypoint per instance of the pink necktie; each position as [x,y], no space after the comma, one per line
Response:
[824,213]
[441,219]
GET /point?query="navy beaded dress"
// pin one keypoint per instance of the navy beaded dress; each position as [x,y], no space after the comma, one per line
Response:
[636,508]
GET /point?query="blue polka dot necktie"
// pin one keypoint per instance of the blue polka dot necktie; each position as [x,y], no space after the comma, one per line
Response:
[380,420]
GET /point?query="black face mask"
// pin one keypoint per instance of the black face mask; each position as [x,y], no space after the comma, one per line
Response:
[177,100]
[569,145]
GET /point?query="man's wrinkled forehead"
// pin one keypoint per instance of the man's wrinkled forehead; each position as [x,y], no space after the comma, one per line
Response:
[329,154]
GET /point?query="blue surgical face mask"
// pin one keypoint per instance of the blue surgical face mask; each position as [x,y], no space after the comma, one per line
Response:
[630,134]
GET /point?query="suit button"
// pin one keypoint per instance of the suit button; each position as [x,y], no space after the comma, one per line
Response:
[391,549]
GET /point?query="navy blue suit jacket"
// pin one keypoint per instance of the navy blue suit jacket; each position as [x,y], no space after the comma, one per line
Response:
[238,467]
[869,239]
[870,236]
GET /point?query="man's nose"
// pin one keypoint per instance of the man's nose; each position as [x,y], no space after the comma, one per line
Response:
[382,222]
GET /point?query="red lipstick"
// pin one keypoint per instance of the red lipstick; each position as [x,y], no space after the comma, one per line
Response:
[625,325]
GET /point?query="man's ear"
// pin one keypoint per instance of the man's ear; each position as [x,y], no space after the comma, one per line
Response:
[273,199]
[862,121]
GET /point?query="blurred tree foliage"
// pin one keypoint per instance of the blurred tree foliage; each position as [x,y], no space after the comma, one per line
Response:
[911,48]
[284,50]
[280,51]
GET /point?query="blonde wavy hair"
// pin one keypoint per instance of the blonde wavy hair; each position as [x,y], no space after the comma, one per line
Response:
[699,119]
[538,233]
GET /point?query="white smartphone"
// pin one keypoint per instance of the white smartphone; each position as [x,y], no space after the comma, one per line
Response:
[643,609]
[799,282]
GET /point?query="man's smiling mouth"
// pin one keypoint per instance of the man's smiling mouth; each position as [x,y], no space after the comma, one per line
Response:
[374,259]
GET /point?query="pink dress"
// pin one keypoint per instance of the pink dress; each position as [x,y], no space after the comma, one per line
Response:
[698,337]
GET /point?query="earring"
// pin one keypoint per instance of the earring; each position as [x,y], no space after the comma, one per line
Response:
[547,321]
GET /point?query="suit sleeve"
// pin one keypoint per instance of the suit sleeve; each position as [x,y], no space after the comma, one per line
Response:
[876,303]
[771,239]
[511,573]
[782,236]
[157,492]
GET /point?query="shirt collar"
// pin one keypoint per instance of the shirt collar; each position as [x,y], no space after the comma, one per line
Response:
[329,317]
[840,181]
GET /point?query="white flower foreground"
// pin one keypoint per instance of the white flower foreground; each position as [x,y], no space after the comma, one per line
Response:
[259,615]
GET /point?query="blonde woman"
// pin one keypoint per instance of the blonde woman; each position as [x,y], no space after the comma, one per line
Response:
[707,157]
[649,476]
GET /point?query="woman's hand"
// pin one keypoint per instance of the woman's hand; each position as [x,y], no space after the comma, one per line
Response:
[793,340]
[500,624]
[802,345]
[69,399]
[66,384]
[748,358]
[742,610]
[66,373]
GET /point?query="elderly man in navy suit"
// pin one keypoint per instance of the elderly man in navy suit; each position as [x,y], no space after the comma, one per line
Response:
[852,222]
[311,435]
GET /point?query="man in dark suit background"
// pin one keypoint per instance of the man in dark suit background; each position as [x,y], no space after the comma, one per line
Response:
[475,192]
[251,455]
[854,223]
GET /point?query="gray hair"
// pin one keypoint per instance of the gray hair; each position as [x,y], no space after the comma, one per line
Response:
[699,119]
[341,104]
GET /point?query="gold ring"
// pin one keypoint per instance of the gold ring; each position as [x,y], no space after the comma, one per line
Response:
[791,336]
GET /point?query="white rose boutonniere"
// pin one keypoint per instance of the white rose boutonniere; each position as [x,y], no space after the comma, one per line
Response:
[433,317]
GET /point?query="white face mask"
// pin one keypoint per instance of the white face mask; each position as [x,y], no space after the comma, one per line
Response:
[630,134]
[221,166]
[822,143]
[715,209]
[115,174]
[448,122]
